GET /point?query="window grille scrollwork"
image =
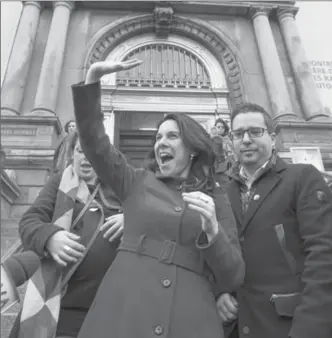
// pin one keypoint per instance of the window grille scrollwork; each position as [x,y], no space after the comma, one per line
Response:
[165,66]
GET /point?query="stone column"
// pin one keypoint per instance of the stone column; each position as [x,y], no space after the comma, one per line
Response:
[12,91]
[274,77]
[48,85]
[312,106]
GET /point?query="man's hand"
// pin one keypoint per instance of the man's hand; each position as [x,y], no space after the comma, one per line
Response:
[64,247]
[113,227]
[227,307]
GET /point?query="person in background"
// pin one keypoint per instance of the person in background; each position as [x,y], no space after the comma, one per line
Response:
[180,247]
[284,219]
[222,127]
[62,156]
[44,230]
[223,138]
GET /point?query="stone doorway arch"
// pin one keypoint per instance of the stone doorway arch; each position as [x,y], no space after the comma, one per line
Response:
[216,41]
[119,39]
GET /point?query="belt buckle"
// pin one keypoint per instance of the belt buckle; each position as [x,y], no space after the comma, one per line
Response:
[167,254]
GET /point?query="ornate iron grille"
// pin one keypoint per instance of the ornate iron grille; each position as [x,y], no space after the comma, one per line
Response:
[165,66]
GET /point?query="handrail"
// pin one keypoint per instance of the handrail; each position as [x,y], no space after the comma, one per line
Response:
[16,248]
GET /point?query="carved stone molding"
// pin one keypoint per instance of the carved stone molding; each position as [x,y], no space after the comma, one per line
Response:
[29,158]
[38,4]
[286,12]
[69,4]
[206,35]
[163,20]
[258,11]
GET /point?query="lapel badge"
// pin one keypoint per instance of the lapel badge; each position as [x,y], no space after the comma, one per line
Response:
[256,197]
[321,196]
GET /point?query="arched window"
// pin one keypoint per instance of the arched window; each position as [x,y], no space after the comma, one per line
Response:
[165,66]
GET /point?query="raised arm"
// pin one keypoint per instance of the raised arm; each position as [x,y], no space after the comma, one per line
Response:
[110,164]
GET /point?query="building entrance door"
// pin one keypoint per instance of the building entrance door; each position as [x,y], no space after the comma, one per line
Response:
[134,133]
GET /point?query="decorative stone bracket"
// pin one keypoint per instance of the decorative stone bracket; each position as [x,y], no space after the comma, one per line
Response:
[163,20]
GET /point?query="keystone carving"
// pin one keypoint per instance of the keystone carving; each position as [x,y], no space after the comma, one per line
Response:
[163,19]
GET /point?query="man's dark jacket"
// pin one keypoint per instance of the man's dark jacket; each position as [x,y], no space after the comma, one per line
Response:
[286,239]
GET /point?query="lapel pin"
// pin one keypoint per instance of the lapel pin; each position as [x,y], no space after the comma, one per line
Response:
[256,197]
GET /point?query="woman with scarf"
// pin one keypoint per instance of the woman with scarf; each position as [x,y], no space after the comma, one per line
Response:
[66,227]
[180,248]
[62,155]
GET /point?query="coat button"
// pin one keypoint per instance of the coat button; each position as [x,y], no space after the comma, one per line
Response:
[158,330]
[245,329]
[178,209]
[166,282]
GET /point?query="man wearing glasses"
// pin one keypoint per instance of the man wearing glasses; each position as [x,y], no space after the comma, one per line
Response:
[284,218]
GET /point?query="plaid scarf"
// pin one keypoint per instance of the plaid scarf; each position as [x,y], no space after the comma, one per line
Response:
[41,305]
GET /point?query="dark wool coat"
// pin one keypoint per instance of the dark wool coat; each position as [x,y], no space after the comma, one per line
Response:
[36,228]
[286,239]
[143,296]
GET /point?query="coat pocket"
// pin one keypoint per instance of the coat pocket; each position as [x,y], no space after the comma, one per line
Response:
[285,304]
[280,232]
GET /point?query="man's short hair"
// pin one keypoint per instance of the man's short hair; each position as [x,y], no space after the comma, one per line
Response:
[254,108]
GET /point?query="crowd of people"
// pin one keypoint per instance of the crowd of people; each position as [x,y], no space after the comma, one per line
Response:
[216,237]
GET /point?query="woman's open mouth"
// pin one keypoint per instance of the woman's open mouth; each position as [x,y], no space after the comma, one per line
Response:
[165,158]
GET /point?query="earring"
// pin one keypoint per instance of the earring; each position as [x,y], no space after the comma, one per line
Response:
[192,157]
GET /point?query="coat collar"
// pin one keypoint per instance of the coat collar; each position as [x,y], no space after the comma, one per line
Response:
[164,178]
[265,184]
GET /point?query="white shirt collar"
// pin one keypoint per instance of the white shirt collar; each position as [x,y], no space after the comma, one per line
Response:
[249,179]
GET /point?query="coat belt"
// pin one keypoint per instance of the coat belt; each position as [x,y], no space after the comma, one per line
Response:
[168,252]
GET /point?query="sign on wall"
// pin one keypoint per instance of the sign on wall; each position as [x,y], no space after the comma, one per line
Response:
[307,155]
[315,27]
[322,74]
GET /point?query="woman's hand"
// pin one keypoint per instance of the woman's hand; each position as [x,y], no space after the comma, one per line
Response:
[204,204]
[227,307]
[99,69]
[63,246]
[113,227]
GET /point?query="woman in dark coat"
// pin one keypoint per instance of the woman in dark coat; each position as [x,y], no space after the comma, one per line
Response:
[40,233]
[180,247]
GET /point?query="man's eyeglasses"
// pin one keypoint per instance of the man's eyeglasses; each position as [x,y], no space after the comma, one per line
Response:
[253,132]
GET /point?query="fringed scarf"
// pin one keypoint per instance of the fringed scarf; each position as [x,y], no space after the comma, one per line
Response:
[41,305]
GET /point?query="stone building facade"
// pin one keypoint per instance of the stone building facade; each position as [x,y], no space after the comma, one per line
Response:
[200,58]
